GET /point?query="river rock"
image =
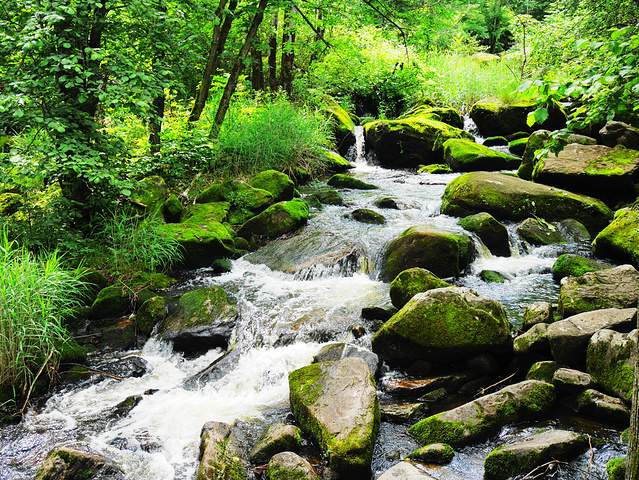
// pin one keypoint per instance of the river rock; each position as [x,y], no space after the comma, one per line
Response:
[571,381]
[620,239]
[277,438]
[340,180]
[405,471]
[328,197]
[436,453]
[366,215]
[569,338]
[65,463]
[542,371]
[611,360]
[445,323]
[339,351]
[410,141]
[481,418]
[151,312]
[525,455]
[594,170]
[220,454]
[276,220]
[435,169]
[492,233]
[619,133]
[518,147]
[468,156]
[308,253]
[277,183]
[571,265]
[414,387]
[111,301]
[445,253]
[172,209]
[336,403]
[203,320]
[411,282]
[334,162]
[599,405]
[342,127]
[511,198]
[538,312]
[539,232]
[496,118]
[610,288]
[402,412]
[448,115]
[534,339]
[289,466]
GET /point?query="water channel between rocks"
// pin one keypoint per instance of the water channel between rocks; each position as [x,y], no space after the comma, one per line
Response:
[285,320]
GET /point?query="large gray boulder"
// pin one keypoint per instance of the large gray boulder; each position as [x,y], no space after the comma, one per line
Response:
[445,253]
[510,198]
[619,133]
[202,320]
[611,288]
[441,324]
[525,455]
[569,338]
[611,360]
[220,454]
[535,339]
[477,420]
[336,403]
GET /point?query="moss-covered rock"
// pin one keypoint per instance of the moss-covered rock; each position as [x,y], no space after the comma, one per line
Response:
[445,253]
[334,162]
[277,183]
[494,117]
[535,339]
[290,466]
[71,351]
[572,265]
[620,239]
[342,127]
[411,282]
[276,220]
[435,168]
[366,215]
[152,311]
[150,192]
[342,417]
[495,142]
[481,418]
[220,454]
[202,320]
[442,324]
[329,197]
[537,231]
[492,233]
[616,468]
[529,453]
[467,156]
[111,302]
[493,276]
[410,141]
[542,371]
[448,115]
[595,404]
[518,146]
[277,438]
[64,463]
[340,180]
[510,198]
[10,203]
[437,453]
[172,209]
[537,312]
[244,200]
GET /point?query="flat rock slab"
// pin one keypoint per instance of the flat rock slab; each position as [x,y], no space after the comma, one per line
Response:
[405,471]
[569,338]
[477,420]
[529,453]
[336,403]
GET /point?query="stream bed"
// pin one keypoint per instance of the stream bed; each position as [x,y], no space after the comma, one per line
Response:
[285,320]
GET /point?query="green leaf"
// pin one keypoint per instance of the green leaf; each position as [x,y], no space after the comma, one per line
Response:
[66,45]
[126,192]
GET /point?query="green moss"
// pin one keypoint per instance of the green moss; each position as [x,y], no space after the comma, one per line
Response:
[172,209]
[411,282]
[616,468]
[491,276]
[202,305]
[71,351]
[542,371]
[440,454]
[518,146]
[10,203]
[611,370]
[151,312]
[569,265]
[436,168]
[366,215]
[334,162]
[150,191]
[285,474]
[620,239]
[434,430]
[277,183]
[276,220]
[110,302]
[344,181]
[465,155]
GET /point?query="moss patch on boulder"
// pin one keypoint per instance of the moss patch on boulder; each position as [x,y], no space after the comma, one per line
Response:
[572,265]
[345,181]
[276,220]
[491,232]
[411,282]
[467,156]
[620,239]
[277,183]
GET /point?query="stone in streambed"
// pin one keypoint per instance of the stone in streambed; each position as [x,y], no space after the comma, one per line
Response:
[537,231]
[620,239]
[220,454]
[599,405]
[468,156]
[290,466]
[538,312]
[518,146]
[436,453]
[411,282]
[571,265]
[492,233]
[365,215]
[339,351]
[542,371]
[571,381]
[276,220]
[405,471]
[336,403]
[276,438]
[110,302]
[342,127]
[334,162]
[345,181]
[534,339]
[151,312]
[277,183]
[65,463]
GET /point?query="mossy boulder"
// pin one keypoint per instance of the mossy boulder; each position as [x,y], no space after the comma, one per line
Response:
[334,162]
[594,170]
[64,463]
[111,302]
[620,239]
[152,311]
[444,323]
[329,197]
[443,252]
[611,360]
[340,180]
[149,192]
[366,215]
[277,438]
[494,117]
[437,453]
[290,466]
[220,454]
[405,471]
[619,133]
[202,320]
[518,146]
[610,288]
[10,203]
[616,468]
[447,115]
[244,200]
[277,183]
[492,233]
[493,276]
[510,198]
[435,168]
[572,265]
[172,209]
[411,282]
[593,403]
[70,351]
[276,220]
[337,351]
[537,231]
[537,312]
[342,127]
[523,456]
[478,420]
[410,141]
[542,371]
[342,417]
[495,142]
[535,339]
[467,156]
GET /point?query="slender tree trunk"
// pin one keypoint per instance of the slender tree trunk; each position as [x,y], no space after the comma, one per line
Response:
[319,34]
[225,101]
[632,470]
[288,50]
[257,69]
[272,55]
[220,34]
[157,106]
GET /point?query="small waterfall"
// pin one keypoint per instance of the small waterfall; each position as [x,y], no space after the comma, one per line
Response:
[471,127]
[357,153]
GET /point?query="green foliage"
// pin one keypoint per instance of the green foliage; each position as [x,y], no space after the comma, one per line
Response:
[36,294]
[489,22]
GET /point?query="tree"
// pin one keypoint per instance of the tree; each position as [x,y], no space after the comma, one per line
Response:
[489,23]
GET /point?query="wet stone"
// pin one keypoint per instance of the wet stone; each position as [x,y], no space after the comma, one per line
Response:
[402,412]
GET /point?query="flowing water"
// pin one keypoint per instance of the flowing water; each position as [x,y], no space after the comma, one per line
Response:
[285,319]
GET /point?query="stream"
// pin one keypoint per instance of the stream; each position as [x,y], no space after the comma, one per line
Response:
[285,320]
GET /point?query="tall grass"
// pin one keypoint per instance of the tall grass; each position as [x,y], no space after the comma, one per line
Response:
[36,293]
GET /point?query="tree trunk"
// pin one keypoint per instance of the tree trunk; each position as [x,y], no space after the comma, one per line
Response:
[272,55]
[632,470]
[155,125]
[225,101]
[257,69]
[288,50]
[220,34]
[319,35]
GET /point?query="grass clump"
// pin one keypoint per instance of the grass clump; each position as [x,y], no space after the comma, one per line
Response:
[36,294]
